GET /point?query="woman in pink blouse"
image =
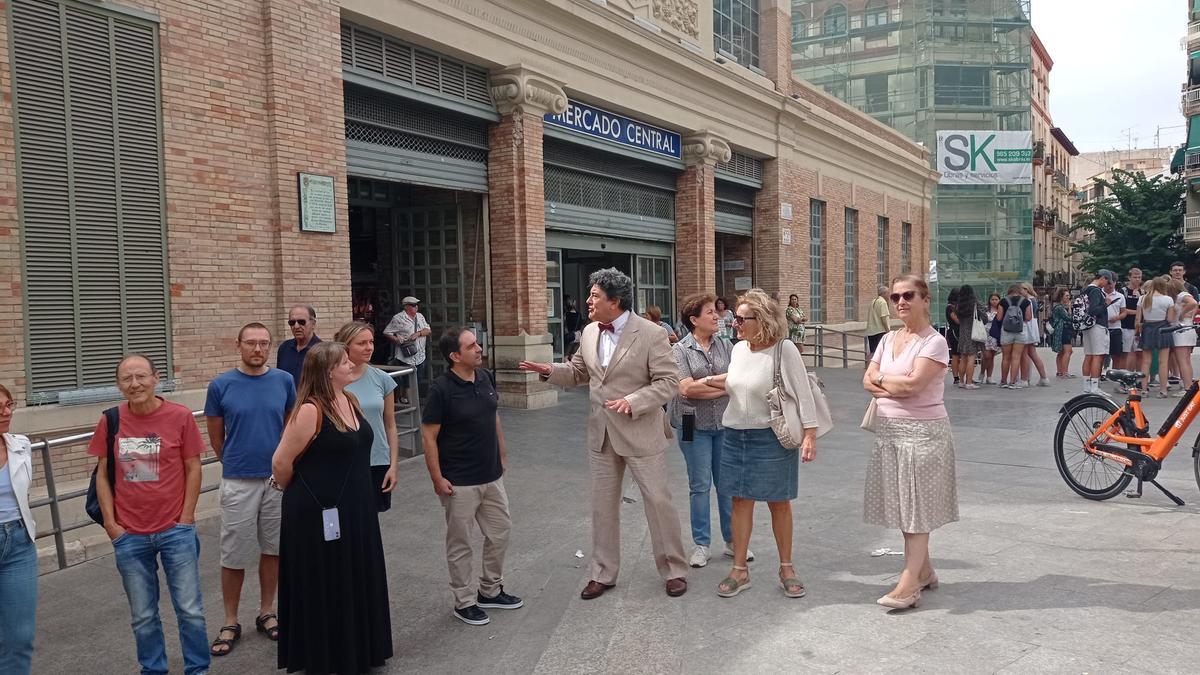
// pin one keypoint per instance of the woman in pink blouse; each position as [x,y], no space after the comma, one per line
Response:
[910,479]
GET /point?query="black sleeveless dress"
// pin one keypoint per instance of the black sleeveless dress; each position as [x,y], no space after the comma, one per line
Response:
[334,615]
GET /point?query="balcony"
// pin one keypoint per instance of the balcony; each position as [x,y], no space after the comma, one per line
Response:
[1039,216]
[1189,103]
[1191,163]
[1039,150]
[1060,181]
[1049,167]
[1062,228]
[1191,228]
[1193,36]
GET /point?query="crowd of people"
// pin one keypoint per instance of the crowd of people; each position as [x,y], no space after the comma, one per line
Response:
[1139,325]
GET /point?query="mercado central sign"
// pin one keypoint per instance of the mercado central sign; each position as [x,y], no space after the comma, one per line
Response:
[985,157]
[613,127]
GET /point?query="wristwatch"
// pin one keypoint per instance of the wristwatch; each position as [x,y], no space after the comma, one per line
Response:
[273,485]
[707,380]
[879,380]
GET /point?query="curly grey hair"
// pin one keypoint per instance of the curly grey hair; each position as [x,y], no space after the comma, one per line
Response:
[615,285]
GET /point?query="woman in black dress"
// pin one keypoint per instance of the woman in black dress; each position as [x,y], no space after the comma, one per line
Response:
[952,332]
[333,601]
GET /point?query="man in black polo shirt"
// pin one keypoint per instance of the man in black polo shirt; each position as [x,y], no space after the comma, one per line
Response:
[464,452]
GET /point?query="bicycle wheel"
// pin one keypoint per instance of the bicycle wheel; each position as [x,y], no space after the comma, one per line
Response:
[1196,461]
[1088,475]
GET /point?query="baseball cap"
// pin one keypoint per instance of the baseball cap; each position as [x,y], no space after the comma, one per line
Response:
[1107,274]
[410,300]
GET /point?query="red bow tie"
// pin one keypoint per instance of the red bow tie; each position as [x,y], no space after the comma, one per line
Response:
[607,327]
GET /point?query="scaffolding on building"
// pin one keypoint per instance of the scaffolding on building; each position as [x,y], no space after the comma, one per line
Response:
[921,66]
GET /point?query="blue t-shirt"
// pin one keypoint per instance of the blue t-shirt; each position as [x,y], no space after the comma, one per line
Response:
[291,360]
[370,390]
[253,408]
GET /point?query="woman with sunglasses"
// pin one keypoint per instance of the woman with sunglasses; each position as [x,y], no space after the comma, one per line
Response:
[754,466]
[910,478]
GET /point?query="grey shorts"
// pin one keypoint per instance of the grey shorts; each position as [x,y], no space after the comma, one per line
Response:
[250,515]
[1007,338]
[1095,341]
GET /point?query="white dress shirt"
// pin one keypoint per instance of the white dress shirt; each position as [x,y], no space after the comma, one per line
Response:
[609,339]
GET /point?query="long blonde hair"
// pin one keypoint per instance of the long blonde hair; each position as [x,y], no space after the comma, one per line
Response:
[317,388]
[772,326]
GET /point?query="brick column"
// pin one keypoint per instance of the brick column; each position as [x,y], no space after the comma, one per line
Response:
[695,215]
[306,132]
[780,240]
[516,208]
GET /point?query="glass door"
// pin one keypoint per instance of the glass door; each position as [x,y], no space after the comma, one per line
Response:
[554,299]
[653,285]
[428,255]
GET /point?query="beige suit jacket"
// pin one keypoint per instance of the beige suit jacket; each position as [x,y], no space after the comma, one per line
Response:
[642,371]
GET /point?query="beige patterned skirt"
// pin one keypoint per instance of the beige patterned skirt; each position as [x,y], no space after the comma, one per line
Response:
[910,478]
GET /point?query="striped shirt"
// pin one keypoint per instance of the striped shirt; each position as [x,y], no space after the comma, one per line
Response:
[695,363]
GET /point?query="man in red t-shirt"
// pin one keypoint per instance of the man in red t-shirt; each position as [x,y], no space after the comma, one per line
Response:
[152,512]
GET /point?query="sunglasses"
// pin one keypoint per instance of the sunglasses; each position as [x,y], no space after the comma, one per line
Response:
[297,322]
[907,296]
[738,319]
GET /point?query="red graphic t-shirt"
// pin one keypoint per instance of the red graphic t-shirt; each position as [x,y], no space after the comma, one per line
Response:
[150,451]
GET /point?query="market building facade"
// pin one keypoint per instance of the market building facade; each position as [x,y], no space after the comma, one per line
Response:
[176,170]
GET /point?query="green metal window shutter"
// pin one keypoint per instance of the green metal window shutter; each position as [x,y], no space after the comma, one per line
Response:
[1193,133]
[90,189]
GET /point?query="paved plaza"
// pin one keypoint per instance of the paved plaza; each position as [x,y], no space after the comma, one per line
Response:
[1034,578]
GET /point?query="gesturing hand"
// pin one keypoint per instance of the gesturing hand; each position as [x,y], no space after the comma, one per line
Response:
[620,405]
[540,368]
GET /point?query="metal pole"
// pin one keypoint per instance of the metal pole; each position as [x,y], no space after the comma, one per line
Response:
[845,351]
[820,347]
[60,546]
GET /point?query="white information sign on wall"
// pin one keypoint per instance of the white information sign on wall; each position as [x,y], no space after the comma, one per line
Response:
[785,211]
[932,271]
[985,157]
[787,236]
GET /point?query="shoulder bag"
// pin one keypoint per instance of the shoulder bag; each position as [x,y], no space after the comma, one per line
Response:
[785,418]
[978,332]
[112,419]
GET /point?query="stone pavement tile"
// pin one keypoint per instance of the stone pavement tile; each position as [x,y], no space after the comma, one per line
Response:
[959,651]
[790,647]
[1050,660]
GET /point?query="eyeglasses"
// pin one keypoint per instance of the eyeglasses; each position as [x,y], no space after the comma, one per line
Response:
[297,322]
[906,295]
[738,319]
[257,344]
[139,378]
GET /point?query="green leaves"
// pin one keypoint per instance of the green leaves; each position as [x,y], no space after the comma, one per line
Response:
[1136,225]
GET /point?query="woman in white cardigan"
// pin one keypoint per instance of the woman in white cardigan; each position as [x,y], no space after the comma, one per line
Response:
[754,466]
[18,553]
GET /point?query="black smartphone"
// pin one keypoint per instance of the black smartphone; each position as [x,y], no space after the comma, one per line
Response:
[689,428]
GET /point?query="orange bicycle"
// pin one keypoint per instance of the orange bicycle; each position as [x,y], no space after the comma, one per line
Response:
[1100,447]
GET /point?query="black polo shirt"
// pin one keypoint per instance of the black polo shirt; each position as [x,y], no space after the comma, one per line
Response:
[468,448]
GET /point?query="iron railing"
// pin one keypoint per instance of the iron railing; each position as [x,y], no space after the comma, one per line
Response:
[1191,227]
[1189,103]
[845,347]
[53,499]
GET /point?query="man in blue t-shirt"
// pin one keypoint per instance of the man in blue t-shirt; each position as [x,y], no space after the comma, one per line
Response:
[245,411]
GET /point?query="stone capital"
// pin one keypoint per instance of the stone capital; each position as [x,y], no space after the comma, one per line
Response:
[705,148]
[518,88]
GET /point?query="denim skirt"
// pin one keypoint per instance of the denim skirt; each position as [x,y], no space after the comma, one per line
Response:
[755,466]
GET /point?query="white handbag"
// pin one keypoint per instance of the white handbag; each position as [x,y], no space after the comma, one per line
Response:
[978,331]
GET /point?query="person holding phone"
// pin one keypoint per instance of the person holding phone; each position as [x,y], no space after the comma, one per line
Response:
[696,415]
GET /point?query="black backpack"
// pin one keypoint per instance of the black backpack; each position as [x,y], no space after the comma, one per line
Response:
[1014,321]
[112,418]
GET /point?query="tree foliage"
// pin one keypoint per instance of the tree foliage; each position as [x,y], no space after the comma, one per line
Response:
[1136,225]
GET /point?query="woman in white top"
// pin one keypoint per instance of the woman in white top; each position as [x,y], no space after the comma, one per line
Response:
[754,466]
[1156,312]
[18,553]
[1032,338]
[1183,340]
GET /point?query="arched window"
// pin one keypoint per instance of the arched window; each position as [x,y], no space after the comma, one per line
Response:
[876,14]
[835,21]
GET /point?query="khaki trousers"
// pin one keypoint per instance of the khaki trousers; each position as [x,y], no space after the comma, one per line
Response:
[608,469]
[486,505]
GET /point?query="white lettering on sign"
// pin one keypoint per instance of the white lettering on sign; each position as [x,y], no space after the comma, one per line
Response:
[787,236]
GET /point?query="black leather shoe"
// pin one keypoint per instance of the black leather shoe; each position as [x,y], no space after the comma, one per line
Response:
[472,615]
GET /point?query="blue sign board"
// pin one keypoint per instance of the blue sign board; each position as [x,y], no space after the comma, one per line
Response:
[603,124]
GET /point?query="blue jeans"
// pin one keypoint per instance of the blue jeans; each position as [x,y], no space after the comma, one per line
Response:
[18,597]
[137,561]
[703,458]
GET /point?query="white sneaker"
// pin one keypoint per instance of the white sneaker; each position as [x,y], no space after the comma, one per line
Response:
[729,553]
[1021,384]
[699,557]
[1043,382]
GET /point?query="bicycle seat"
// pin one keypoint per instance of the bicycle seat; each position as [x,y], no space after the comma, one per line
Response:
[1128,378]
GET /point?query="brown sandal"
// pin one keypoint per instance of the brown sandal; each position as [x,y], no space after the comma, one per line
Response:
[260,624]
[226,644]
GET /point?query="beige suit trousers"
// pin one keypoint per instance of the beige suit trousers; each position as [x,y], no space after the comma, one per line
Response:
[486,505]
[650,472]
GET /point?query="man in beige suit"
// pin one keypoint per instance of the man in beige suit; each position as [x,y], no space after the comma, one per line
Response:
[627,362]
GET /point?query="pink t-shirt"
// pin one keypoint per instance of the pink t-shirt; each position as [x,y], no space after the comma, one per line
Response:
[926,404]
[150,452]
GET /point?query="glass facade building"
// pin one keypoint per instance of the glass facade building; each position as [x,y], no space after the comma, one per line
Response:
[923,66]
